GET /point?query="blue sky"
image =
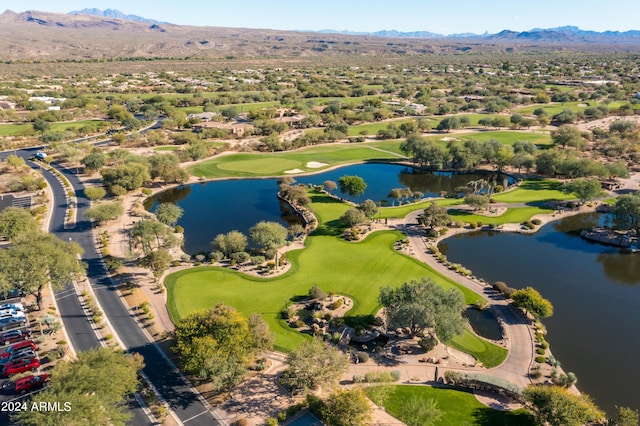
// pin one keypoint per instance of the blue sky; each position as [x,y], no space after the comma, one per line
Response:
[444,17]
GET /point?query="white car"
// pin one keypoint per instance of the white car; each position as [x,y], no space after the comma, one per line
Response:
[11,313]
[13,306]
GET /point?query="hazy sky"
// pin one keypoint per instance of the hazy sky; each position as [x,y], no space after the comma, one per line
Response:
[444,17]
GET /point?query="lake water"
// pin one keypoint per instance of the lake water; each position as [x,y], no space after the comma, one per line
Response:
[595,331]
[218,207]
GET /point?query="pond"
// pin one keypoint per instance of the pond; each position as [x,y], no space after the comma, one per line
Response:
[595,289]
[220,206]
[484,323]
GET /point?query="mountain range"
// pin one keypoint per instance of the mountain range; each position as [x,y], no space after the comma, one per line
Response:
[92,34]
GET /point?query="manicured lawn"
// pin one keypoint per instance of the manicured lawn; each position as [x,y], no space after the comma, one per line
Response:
[534,190]
[14,129]
[167,148]
[402,211]
[275,164]
[515,215]
[373,128]
[458,408]
[509,137]
[357,270]
[554,108]
[490,354]
[392,145]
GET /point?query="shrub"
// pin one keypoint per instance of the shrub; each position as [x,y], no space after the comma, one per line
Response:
[363,357]
[316,293]
[536,221]
[427,343]
[146,191]
[178,229]
[473,225]
[540,351]
[257,260]
[544,344]
[357,378]
[432,233]
[541,359]
[382,376]
[271,421]
[240,257]
[335,305]
[503,288]
[270,253]
[396,375]
[216,256]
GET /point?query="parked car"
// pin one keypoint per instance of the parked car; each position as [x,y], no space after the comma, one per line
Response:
[11,313]
[13,306]
[12,336]
[20,366]
[12,294]
[26,353]
[16,347]
[31,383]
[12,322]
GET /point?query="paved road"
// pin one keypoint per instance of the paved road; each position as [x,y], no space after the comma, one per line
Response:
[519,339]
[81,334]
[160,371]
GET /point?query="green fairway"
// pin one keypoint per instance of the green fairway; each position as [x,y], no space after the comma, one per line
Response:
[509,137]
[388,145]
[27,128]
[534,190]
[515,215]
[458,408]
[490,354]
[15,129]
[554,108]
[373,128]
[275,164]
[166,148]
[357,270]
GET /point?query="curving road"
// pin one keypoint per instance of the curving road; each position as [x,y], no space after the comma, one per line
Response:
[161,372]
[520,341]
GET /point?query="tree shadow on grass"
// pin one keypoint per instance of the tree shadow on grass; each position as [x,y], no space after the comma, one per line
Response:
[487,416]
[333,228]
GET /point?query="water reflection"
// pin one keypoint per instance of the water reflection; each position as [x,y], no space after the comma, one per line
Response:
[594,290]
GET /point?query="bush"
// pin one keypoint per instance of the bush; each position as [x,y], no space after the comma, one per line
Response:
[363,357]
[357,378]
[271,421]
[540,351]
[270,253]
[316,293]
[541,359]
[257,260]
[335,305]
[178,229]
[427,343]
[473,225]
[216,256]
[432,233]
[536,221]
[382,376]
[396,375]
[503,288]
[146,191]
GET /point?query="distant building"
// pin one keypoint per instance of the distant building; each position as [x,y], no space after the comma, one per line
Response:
[203,116]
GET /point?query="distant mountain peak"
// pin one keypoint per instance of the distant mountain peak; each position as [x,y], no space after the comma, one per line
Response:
[114,14]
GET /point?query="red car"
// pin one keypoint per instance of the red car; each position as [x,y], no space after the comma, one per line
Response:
[12,336]
[21,345]
[31,383]
[20,366]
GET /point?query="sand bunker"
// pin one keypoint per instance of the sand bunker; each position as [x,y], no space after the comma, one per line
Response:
[294,171]
[447,139]
[315,165]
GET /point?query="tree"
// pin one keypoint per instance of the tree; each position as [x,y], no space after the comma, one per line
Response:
[449,123]
[168,213]
[260,333]
[105,211]
[476,201]
[268,235]
[32,263]
[166,167]
[346,408]
[229,113]
[295,194]
[16,162]
[626,212]
[95,385]
[42,126]
[215,345]
[530,300]
[369,208]
[625,416]
[353,217]
[329,185]
[158,261]
[229,243]
[95,160]
[151,235]
[94,193]
[585,189]
[352,185]
[555,405]
[312,365]
[567,135]
[421,412]
[418,306]
[17,223]
[434,216]
[127,176]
